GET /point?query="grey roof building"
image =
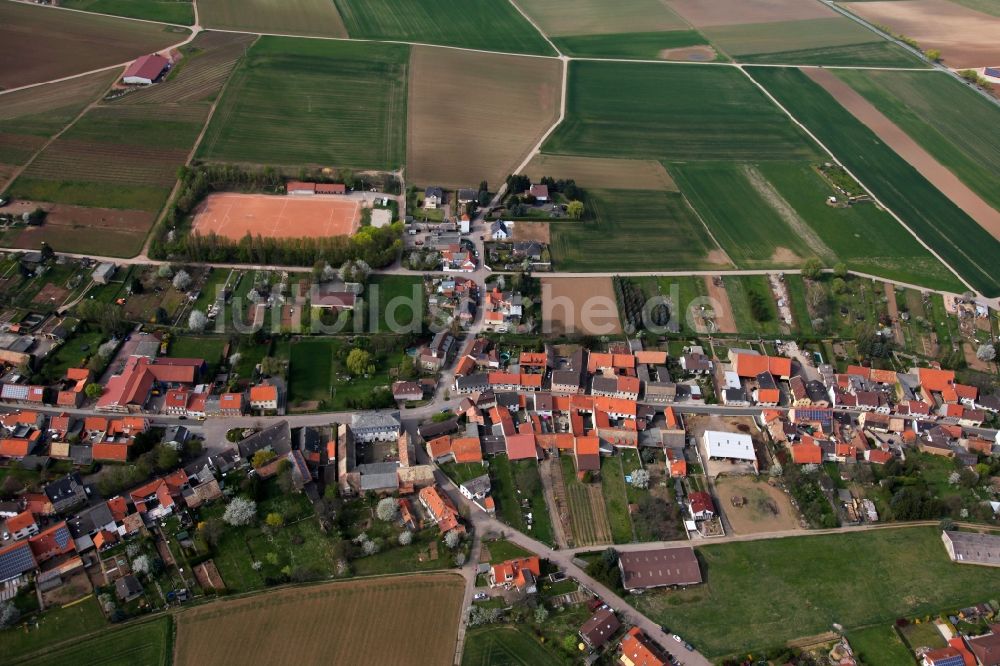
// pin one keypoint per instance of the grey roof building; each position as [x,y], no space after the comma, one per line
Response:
[373,426]
[972,548]
[277,437]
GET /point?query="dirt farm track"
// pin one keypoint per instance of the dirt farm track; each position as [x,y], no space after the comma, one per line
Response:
[399,620]
[236,215]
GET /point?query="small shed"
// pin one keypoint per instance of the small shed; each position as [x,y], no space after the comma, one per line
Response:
[104,272]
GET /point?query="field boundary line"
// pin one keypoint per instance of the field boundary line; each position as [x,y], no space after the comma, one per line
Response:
[536,27]
[836,160]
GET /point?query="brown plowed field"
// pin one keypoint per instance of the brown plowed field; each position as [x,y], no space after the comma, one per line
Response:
[41,43]
[456,138]
[236,215]
[894,137]
[724,320]
[399,620]
[603,172]
[99,231]
[965,37]
[565,300]
[731,12]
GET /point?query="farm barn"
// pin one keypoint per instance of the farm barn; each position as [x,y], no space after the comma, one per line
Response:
[145,70]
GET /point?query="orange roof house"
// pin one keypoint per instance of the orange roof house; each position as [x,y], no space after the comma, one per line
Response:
[651,357]
[932,379]
[439,447]
[751,365]
[519,573]
[521,447]
[22,522]
[807,454]
[678,465]
[637,650]
[263,393]
[467,449]
[111,451]
[441,509]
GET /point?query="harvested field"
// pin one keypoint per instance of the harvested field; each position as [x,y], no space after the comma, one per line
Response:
[662,223]
[731,12]
[292,17]
[334,623]
[557,18]
[532,231]
[724,320]
[235,215]
[965,37]
[690,54]
[944,116]
[41,44]
[682,112]
[478,25]
[765,508]
[904,146]
[749,38]
[490,139]
[337,103]
[206,66]
[603,172]
[99,231]
[565,299]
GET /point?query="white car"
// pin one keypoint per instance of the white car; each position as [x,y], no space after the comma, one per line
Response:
[479,596]
[677,638]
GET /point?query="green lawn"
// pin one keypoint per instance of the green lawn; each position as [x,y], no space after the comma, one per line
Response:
[59,624]
[753,588]
[197,346]
[73,352]
[507,478]
[505,646]
[944,116]
[676,112]
[682,292]
[462,472]
[740,289]
[305,101]
[936,219]
[661,222]
[405,559]
[311,370]
[502,550]
[478,25]
[616,499]
[879,645]
[641,45]
[146,643]
[166,11]
[797,300]
[402,294]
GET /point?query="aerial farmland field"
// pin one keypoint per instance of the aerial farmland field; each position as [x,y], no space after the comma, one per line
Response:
[662,223]
[335,623]
[754,587]
[115,157]
[147,643]
[201,73]
[602,172]
[559,18]
[165,11]
[881,53]
[674,112]
[954,235]
[288,17]
[28,117]
[639,45]
[301,101]
[41,43]
[458,144]
[474,24]
[944,116]
[754,224]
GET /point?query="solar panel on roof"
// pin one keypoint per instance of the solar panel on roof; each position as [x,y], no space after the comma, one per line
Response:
[16,561]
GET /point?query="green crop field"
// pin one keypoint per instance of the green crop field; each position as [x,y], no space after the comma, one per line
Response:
[404,293]
[287,17]
[298,101]
[58,624]
[745,38]
[662,223]
[754,588]
[600,17]
[115,157]
[505,646]
[939,222]
[863,236]
[948,119]
[672,112]
[641,45]
[476,24]
[147,643]
[165,11]
[880,644]
[869,54]
[733,199]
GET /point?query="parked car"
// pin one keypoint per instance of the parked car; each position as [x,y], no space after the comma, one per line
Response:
[676,638]
[479,596]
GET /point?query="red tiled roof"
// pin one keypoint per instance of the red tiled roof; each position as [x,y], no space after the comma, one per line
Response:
[263,393]
[147,66]
[439,446]
[512,571]
[20,521]
[932,379]
[14,448]
[118,507]
[521,447]
[879,457]
[701,501]
[807,454]
[637,649]
[651,357]
[117,452]
[467,449]
[751,365]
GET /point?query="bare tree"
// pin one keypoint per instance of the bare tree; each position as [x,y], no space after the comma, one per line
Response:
[240,511]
